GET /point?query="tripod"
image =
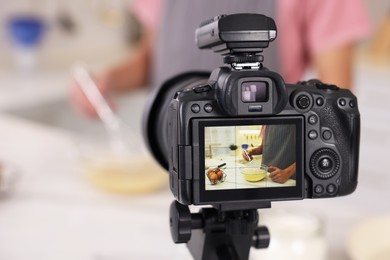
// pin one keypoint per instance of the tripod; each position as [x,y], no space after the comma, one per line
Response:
[214,234]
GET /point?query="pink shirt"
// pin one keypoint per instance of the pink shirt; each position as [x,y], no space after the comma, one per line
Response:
[305,27]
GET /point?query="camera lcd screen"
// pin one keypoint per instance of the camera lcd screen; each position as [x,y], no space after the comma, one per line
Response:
[250,156]
[250,159]
[254,91]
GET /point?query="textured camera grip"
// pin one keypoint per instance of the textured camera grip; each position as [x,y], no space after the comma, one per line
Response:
[346,129]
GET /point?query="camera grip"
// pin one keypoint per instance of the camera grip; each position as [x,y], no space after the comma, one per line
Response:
[346,129]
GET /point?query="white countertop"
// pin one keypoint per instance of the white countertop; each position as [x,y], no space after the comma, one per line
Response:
[53,212]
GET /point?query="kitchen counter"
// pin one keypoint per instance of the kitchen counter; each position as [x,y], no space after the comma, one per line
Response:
[54,213]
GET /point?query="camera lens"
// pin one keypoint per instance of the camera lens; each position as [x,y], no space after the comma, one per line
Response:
[156,114]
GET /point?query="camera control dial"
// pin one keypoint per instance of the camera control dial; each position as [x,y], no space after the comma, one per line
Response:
[323,86]
[324,163]
[303,102]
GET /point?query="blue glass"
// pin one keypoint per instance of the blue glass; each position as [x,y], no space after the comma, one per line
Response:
[26,30]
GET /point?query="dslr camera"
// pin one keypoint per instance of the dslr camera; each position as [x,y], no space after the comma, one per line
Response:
[240,137]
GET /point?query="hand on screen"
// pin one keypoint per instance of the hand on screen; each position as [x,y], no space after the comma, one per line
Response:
[278,175]
[247,155]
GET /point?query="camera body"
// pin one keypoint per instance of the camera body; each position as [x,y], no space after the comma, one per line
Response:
[311,128]
[327,132]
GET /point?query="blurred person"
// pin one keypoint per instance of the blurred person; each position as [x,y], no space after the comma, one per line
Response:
[314,33]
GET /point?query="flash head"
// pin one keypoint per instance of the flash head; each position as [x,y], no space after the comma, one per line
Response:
[236,33]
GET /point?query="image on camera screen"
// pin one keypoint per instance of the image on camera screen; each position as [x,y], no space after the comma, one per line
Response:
[250,156]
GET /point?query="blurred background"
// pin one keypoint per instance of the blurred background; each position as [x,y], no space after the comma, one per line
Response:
[57,200]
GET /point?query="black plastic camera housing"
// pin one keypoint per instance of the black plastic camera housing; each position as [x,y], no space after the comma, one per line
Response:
[325,118]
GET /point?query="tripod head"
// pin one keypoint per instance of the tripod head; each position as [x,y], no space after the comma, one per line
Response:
[213,234]
[239,38]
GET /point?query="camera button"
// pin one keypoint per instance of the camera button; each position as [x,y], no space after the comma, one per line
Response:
[313,134]
[313,119]
[325,164]
[208,108]
[319,101]
[255,108]
[331,188]
[327,134]
[202,89]
[195,108]
[342,102]
[318,189]
[303,102]
[326,86]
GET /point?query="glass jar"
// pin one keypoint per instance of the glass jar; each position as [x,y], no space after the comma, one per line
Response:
[294,236]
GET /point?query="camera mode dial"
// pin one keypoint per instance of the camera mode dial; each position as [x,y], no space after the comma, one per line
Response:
[324,163]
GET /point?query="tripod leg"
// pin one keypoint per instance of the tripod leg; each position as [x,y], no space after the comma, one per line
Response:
[227,252]
[218,246]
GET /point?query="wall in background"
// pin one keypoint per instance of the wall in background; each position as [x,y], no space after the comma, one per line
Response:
[93,19]
[377,9]
[96,27]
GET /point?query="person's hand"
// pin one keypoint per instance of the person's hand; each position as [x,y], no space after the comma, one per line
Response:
[278,175]
[81,102]
[128,75]
[246,153]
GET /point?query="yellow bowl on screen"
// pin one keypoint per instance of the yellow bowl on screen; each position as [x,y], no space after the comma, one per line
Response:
[254,174]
